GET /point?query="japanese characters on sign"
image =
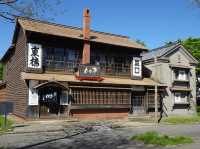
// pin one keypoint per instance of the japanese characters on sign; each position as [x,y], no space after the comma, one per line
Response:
[136,70]
[89,71]
[34,56]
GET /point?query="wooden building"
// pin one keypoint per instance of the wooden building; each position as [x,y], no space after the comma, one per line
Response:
[54,70]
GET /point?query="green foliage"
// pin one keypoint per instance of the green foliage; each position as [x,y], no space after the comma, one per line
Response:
[153,137]
[182,119]
[9,124]
[198,110]
[141,42]
[193,45]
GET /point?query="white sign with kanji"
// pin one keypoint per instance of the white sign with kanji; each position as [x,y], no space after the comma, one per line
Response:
[136,67]
[34,56]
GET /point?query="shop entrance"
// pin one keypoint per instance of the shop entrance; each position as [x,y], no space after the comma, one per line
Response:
[49,101]
[138,103]
[53,99]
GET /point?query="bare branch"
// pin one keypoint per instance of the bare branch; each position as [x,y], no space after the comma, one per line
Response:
[7,17]
[4,2]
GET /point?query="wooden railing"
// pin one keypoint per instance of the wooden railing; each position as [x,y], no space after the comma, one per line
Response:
[61,66]
[116,69]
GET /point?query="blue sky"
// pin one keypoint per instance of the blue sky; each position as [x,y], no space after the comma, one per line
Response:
[152,21]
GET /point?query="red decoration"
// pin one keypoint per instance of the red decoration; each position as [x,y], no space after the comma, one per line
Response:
[81,78]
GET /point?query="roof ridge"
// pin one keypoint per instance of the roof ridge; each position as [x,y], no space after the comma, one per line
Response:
[71,27]
[166,46]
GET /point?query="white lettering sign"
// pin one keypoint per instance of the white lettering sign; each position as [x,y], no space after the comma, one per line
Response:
[34,56]
[136,67]
[33,95]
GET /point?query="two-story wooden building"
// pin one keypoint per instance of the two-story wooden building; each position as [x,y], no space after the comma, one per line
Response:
[53,70]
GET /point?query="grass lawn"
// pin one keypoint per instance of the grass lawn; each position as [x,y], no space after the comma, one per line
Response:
[9,124]
[153,137]
[182,119]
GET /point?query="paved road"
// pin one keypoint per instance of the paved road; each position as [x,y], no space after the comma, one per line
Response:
[94,136]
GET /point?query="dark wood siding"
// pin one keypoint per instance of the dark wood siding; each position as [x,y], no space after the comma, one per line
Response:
[16,87]
[3,93]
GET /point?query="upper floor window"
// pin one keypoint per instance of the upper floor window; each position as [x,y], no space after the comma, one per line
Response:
[181,75]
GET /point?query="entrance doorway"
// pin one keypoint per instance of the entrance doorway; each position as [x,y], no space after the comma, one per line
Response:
[138,103]
[49,100]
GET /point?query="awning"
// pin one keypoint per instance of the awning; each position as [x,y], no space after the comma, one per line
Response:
[180,89]
[50,84]
[71,78]
[179,66]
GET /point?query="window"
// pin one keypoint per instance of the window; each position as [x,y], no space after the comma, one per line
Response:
[181,75]
[180,97]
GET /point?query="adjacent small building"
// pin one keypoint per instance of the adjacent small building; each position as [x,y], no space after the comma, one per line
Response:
[174,66]
[52,71]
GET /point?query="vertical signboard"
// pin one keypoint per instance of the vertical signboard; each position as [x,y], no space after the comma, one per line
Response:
[34,56]
[136,70]
[33,95]
[64,98]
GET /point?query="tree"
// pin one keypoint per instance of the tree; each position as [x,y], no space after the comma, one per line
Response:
[141,42]
[42,9]
[193,45]
[197,2]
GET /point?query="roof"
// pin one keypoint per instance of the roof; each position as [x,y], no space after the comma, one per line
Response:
[71,78]
[158,52]
[164,50]
[51,83]
[8,52]
[76,33]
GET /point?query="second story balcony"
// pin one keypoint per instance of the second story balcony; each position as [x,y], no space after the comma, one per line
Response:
[69,67]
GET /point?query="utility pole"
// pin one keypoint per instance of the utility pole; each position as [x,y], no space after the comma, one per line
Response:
[156,95]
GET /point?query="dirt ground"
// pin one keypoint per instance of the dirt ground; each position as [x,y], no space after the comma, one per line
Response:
[91,135]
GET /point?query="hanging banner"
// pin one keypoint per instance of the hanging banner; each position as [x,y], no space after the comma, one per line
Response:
[136,70]
[64,98]
[34,56]
[33,95]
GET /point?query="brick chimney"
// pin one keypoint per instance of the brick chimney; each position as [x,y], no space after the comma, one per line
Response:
[86,37]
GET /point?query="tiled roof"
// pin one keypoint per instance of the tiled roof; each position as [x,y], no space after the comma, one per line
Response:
[158,52]
[74,32]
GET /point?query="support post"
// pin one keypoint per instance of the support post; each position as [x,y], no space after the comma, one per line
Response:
[156,104]
[156,94]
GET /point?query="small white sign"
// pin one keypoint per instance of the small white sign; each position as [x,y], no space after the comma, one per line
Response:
[34,56]
[136,67]
[33,95]
[64,98]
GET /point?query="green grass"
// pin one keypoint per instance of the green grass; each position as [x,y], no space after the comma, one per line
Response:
[182,119]
[153,137]
[9,125]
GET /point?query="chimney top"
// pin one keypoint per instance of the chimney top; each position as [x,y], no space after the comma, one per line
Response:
[86,12]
